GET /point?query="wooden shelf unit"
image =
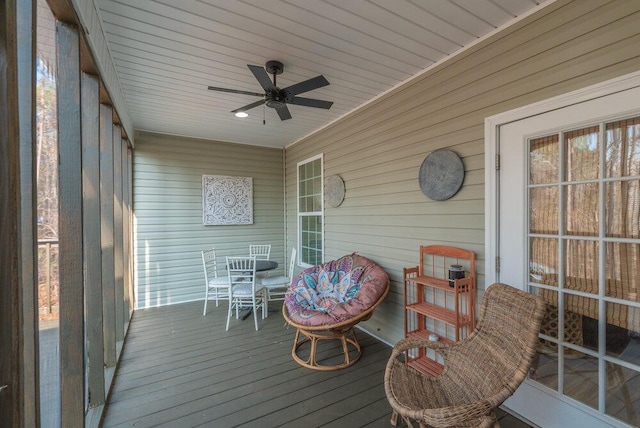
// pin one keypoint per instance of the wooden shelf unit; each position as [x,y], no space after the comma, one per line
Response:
[430,299]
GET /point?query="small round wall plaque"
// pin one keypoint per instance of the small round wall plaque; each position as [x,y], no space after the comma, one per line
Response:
[441,175]
[334,190]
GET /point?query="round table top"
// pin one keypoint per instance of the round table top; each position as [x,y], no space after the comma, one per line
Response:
[262,265]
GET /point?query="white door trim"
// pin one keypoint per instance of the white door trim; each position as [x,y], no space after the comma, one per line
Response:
[492,144]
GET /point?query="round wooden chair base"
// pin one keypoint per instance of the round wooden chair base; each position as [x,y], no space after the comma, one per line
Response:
[313,337]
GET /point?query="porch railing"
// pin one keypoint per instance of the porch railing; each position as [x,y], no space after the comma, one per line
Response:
[48,284]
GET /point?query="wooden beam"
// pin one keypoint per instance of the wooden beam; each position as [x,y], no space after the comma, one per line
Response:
[106,233]
[91,236]
[70,227]
[118,236]
[126,231]
[28,291]
[131,287]
[18,260]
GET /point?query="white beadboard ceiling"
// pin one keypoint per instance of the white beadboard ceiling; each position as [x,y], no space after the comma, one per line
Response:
[167,52]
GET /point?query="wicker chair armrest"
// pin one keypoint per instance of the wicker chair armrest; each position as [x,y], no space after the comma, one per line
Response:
[471,415]
[410,343]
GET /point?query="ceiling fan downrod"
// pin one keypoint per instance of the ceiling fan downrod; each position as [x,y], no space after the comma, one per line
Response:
[275,68]
[274,98]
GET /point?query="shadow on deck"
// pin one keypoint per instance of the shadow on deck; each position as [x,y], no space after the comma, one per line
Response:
[181,369]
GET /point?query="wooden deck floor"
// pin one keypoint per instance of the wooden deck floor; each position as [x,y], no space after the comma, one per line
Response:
[180,369]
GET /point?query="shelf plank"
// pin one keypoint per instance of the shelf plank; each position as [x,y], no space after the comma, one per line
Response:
[424,334]
[437,312]
[427,365]
[443,284]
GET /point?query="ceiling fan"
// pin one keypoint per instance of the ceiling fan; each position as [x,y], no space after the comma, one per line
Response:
[278,98]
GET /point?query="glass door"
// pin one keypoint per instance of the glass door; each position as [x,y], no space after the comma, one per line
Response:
[570,201]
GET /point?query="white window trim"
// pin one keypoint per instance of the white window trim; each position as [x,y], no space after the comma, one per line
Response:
[321,213]
[492,145]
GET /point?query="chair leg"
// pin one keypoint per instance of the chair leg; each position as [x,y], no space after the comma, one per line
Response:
[394,418]
[206,299]
[255,313]
[265,303]
[409,424]
[229,313]
[312,352]
[345,349]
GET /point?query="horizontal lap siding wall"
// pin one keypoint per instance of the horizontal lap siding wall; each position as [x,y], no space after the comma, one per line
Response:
[169,234]
[378,150]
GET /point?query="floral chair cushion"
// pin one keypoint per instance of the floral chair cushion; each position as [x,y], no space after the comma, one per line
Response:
[335,291]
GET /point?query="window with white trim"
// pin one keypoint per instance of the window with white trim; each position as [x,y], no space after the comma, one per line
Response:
[310,211]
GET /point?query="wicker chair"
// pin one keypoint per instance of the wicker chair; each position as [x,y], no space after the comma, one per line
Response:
[480,372]
[325,302]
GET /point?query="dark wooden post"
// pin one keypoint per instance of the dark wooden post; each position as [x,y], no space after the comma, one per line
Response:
[118,237]
[18,252]
[91,231]
[70,256]
[106,233]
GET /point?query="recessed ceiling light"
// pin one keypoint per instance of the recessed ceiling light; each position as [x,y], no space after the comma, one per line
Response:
[241,114]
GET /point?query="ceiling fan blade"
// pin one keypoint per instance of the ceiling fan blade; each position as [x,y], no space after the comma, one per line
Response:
[248,106]
[234,91]
[310,102]
[283,112]
[263,78]
[307,85]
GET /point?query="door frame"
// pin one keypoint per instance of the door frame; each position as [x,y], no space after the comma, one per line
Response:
[492,149]
[546,400]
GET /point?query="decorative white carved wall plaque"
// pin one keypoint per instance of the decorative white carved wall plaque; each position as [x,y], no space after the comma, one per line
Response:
[227,200]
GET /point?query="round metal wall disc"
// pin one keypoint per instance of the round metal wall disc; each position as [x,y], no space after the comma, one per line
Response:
[441,175]
[334,190]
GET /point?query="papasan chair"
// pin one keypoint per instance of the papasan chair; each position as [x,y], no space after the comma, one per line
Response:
[326,301]
[480,372]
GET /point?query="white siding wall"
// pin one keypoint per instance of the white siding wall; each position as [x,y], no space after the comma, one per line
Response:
[378,150]
[169,234]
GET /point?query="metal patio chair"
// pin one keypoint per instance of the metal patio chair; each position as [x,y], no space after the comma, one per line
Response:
[277,285]
[216,287]
[244,292]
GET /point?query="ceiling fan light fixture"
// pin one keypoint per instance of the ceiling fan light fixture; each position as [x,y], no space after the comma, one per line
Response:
[242,114]
[273,103]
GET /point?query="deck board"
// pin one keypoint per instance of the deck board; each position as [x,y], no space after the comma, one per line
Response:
[179,368]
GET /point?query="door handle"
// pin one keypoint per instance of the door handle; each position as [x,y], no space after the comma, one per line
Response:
[3,387]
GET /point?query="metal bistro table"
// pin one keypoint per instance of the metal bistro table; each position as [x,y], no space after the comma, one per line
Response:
[261,266]
[265,265]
